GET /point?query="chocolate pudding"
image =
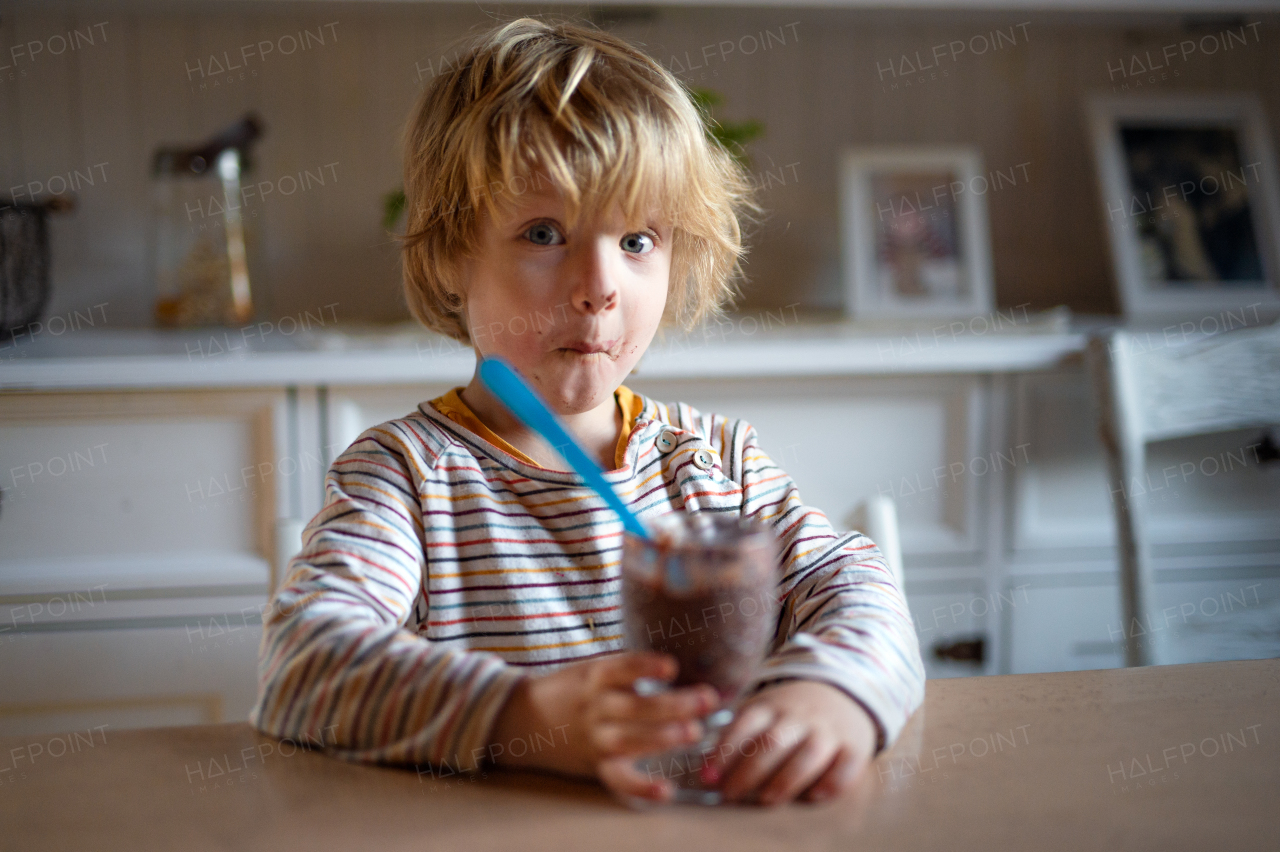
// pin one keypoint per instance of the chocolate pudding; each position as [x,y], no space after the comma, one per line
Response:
[702,590]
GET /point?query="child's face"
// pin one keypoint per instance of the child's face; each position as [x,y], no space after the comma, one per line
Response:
[572,311]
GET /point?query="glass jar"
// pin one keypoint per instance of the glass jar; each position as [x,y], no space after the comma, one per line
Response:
[202,235]
[701,589]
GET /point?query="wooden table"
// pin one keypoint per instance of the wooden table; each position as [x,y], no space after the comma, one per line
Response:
[1162,758]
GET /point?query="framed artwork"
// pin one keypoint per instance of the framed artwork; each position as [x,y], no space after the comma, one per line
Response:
[1188,185]
[914,233]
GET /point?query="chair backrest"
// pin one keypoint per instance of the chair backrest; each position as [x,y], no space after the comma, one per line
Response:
[1222,382]
[1149,390]
[877,518]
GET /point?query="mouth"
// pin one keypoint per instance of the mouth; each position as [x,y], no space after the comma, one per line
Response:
[603,347]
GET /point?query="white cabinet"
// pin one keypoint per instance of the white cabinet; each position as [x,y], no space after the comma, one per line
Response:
[1207,489]
[350,409]
[954,622]
[142,672]
[1070,622]
[1064,625]
[844,439]
[141,529]
[137,537]
[1214,525]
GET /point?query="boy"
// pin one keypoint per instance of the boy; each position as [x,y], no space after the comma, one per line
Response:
[457,599]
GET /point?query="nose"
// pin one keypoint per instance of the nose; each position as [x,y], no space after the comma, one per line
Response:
[594,290]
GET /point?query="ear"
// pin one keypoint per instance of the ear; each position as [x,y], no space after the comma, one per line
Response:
[455,275]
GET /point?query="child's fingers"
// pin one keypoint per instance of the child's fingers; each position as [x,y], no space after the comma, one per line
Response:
[627,738]
[749,721]
[691,702]
[622,778]
[808,762]
[838,777]
[622,670]
[759,757]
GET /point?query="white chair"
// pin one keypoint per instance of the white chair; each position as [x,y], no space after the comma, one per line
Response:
[1148,390]
[877,518]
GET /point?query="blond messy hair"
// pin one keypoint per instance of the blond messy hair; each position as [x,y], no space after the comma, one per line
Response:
[605,123]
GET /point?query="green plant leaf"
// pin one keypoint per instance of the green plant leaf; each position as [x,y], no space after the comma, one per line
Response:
[732,136]
[392,209]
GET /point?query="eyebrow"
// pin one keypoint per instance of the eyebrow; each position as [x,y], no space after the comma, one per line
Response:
[525,207]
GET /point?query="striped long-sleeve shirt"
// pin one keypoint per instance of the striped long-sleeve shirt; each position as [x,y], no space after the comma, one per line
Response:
[445,566]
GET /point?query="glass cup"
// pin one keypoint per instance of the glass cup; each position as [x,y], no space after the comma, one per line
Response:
[701,589]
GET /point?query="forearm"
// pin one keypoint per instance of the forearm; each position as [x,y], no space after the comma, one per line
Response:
[516,721]
[381,693]
[535,726]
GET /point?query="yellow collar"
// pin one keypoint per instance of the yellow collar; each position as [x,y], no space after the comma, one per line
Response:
[452,406]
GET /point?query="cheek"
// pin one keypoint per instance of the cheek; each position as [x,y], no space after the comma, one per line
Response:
[510,326]
[649,295]
[522,286]
[500,309]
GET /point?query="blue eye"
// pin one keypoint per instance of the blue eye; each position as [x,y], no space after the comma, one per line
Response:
[544,234]
[637,243]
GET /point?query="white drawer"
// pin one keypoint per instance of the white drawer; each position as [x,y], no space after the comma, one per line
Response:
[1063,627]
[1229,614]
[947,613]
[144,476]
[202,671]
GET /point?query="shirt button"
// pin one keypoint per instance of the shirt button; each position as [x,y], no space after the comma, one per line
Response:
[704,460]
[666,442]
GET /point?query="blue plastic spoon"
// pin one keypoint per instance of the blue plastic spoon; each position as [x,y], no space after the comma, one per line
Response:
[515,394]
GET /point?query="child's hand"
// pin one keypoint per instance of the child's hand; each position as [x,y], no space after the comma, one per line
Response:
[793,738]
[606,725]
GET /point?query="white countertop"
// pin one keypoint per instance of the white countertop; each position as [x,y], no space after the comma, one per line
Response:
[93,359]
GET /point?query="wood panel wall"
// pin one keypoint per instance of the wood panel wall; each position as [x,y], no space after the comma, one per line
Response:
[820,85]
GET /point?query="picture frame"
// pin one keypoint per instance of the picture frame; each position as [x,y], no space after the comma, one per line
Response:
[1190,204]
[915,239]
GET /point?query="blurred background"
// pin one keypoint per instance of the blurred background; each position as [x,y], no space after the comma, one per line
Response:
[164,435]
[819,80]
